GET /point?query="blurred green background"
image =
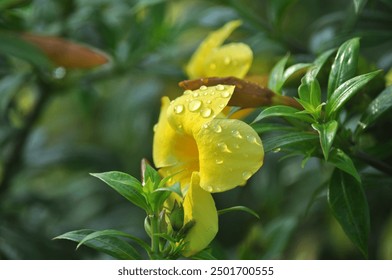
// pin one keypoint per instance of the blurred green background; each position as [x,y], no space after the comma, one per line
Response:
[102,119]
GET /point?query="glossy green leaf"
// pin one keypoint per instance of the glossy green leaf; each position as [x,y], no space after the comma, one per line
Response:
[239,208]
[282,111]
[126,185]
[345,64]
[381,104]
[114,233]
[295,71]
[292,138]
[347,90]
[276,79]
[13,45]
[327,132]
[342,161]
[349,205]
[110,245]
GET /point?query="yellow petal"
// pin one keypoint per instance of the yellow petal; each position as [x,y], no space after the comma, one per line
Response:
[232,59]
[189,112]
[169,147]
[195,67]
[199,206]
[230,152]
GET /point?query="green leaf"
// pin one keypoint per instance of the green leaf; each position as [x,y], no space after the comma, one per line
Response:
[110,245]
[149,173]
[286,139]
[310,90]
[238,208]
[327,132]
[114,233]
[348,203]
[13,45]
[261,128]
[276,79]
[296,70]
[319,63]
[345,64]
[347,90]
[342,161]
[126,185]
[282,111]
[358,5]
[381,104]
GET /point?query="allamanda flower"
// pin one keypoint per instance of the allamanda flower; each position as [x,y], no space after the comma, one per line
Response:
[207,151]
[213,59]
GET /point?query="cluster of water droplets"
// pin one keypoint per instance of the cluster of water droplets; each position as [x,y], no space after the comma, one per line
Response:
[203,100]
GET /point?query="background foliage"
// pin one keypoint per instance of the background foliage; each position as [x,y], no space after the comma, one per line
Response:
[57,125]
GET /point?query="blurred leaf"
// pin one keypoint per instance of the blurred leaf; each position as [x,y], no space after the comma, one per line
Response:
[126,185]
[291,138]
[276,78]
[358,5]
[110,245]
[327,132]
[204,255]
[342,161]
[115,233]
[9,85]
[347,90]
[238,208]
[15,46]
[277,9]
[381,104]
[282,111]
[344,66]
[349,206]
[66,53]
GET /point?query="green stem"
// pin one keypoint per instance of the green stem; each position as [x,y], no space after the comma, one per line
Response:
[155,234]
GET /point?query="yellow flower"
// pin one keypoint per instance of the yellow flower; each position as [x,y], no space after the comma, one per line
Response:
[207,151]
[212,59]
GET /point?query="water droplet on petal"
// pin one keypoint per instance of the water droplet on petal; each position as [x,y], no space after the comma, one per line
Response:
[221,106]
[206,125]
[208,101]
[236,134]
[155,128]
[252,139]
[225,94]
[194,105]
[217,128]
[223,147]
[180,128]
[203,87]
[188,91]
[246,175]
[218,161]
[195,94]
[178,109]
[220,87]
[206,112]
[236,146]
